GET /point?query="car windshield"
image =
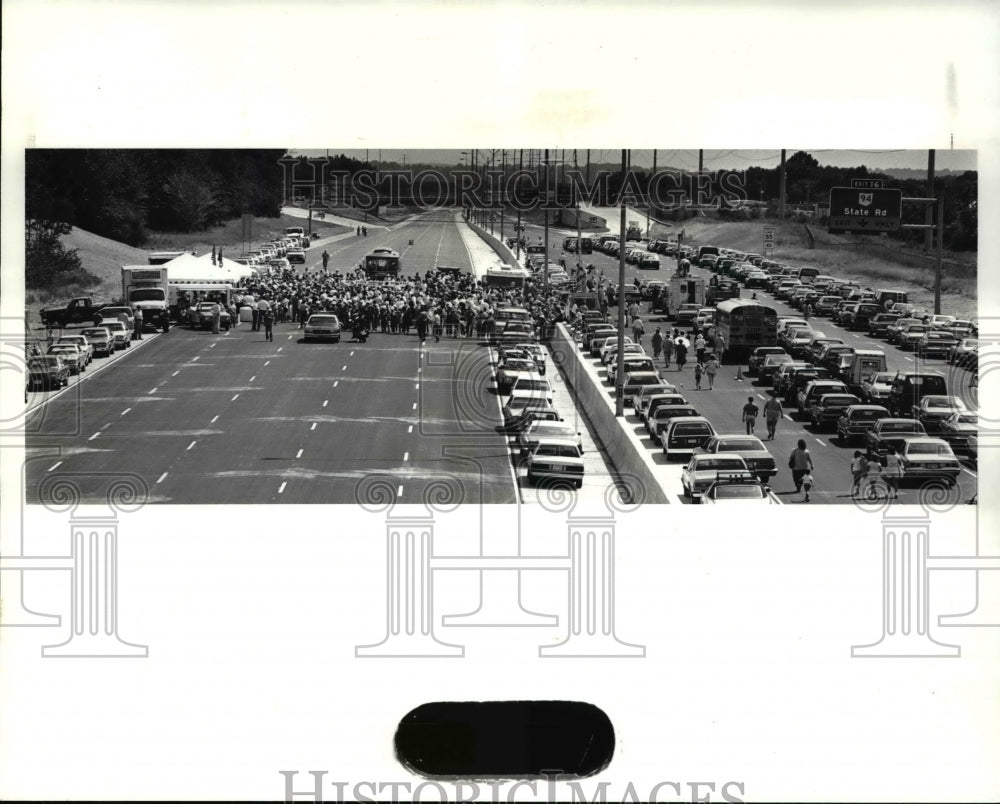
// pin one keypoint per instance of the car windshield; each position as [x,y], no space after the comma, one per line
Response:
[719,463]
[928,449]
[519,365]
[740,445]
[738,491]
[531,385]
[838,400]
[866,414]
[900,427]
[45,361]
[94,333]
[693,429]
[115,325]
[323,320]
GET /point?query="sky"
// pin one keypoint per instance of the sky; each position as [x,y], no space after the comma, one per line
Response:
[958,159]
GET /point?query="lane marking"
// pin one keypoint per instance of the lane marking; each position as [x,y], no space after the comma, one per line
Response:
[789,418]
[326,402]
[417,386]
[266,362]
[214,419]
[399,492]
[410,429]
[969,471]
[175,373]
[254,377]
[282,347]
[313,426]
[351,354]
[761,396]
[160,480]
[106,426]
[54,466]
[153,390]
[281,488]
[191,444]
[95,435]
[414,405]
[212,345]
[234,398]
[298,454]
[343,368]
[124,411]
[910,359]
[196,357]
[336,383]
[406,456]
[820,442]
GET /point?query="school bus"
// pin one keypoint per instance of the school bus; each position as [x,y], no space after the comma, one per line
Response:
[382,263]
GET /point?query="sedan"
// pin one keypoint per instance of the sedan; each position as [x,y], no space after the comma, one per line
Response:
[101,339]
[750,448]
[657,421]
[738,488]
[296,255]
[875,387]
[532,385]
[47,372]
[960,430]
[891,429]
[758,355]
[121,334]
[682,436]
[929,457]
[933,409]
[703,470]
[71,355]
[528,438]
[857,420]
[322,326]
[86,350]
[556,460]
[964,352]
[201,316]
[826,411]
[936,343]
[770,366]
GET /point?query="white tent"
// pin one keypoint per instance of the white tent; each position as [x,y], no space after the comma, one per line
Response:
[188,268]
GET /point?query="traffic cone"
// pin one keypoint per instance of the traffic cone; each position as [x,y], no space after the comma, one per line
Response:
[739,372]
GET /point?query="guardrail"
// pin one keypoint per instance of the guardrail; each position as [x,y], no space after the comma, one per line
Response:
[628,456]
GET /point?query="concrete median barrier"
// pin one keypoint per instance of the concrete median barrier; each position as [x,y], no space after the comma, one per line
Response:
[504,253]
[628,455]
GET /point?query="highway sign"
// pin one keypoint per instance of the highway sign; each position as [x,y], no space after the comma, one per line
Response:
[868,184]
[853,210]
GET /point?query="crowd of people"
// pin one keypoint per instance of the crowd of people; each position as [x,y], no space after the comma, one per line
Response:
[432,304]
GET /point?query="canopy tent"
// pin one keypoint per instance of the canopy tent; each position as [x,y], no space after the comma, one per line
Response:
[189,268]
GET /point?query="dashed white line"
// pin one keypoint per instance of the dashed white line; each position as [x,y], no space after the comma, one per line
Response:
[414,405]
[313,426]
[399,492]
[410,429]
[234,398]
[343,368]
[153,390]
[336,383]
[254,377]
[282,347]
[326,402]
[820,442]
[175,373]
[761,396]
[160,480]
[406,456]
[105,426]
[214,419]
[417,386]
[192,444]
[211,346]
[124,411]
[55,465]
[281,488]
[789,418]
[907,358]
[266,362]
[298,454]
[196,357]
[351,354]
[95,435]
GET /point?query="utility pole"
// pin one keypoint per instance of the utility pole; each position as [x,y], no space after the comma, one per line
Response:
[701,161]
[648,198]
[928,212]
[545,206]
[588,167]
[940,254]
[517,230]
[579,238]
[620,370]
[781,189]
[503,186]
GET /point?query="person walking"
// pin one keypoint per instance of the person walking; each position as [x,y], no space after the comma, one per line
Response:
[711,369]
[137,324]
[801,464]
[255,313]
[720,347]
[668,349]
[657,344]
[216,317]
[772,415]
[326,258]
[268,318]
[750,414]
[699,347]
[859,468]
[681,353]
[893,472]
[637,330]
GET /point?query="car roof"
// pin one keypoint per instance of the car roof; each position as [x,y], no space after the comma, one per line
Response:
[562,441]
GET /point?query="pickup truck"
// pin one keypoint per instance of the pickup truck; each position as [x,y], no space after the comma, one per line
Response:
[81,310]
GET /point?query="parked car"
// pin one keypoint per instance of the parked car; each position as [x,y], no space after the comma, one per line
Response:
[556,460]
[817,389]
[964,352]
[960,430]
[656,422]
[511,369]
[738,488]
[532,385]
[857,420]
[878,325]
[936,343]
[889,430]
[827,410]
[875,387]
[684,435]
[933,409]
[101,339]
[928,458]
[909,387]
[703,469]
[636,381]
[86,349]
[46,373]
[121,333]
[200,316]
[528,438]
[71,355]
[750,448]
[646,393]
[757,357]
[770,366]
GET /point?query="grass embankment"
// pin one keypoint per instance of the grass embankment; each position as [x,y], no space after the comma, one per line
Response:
[230,235]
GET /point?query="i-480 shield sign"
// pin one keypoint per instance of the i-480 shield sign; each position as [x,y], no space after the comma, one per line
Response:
[855,210]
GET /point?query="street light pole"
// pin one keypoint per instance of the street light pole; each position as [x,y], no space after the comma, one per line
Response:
[620,370]
[545,208]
